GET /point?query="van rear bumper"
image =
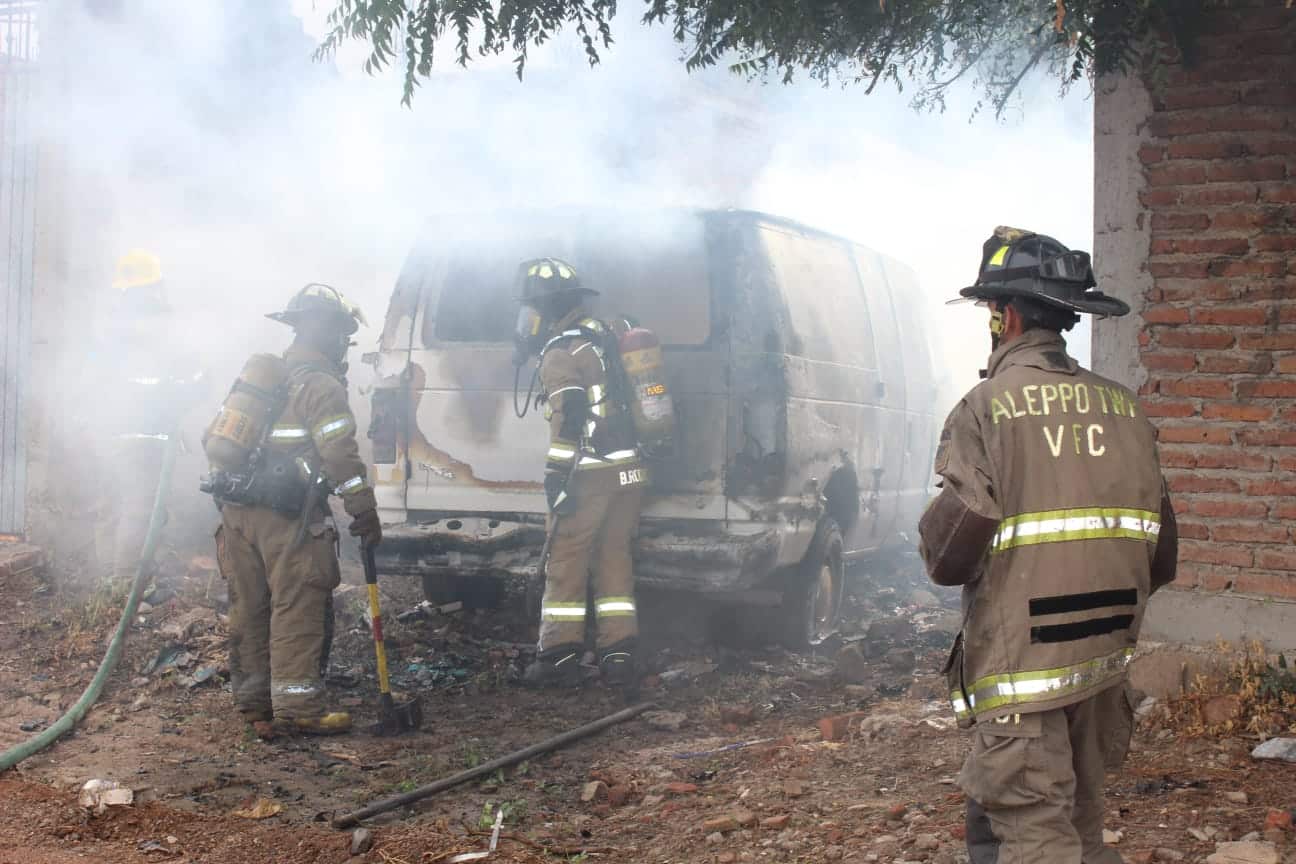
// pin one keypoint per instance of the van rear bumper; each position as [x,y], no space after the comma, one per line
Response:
[707,557]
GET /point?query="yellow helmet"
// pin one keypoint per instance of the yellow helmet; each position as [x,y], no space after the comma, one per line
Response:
[137,269]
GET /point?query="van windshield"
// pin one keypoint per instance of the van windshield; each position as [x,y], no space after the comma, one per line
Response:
[651,267]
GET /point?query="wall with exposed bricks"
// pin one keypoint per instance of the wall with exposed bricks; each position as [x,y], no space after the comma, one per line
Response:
[1195,218]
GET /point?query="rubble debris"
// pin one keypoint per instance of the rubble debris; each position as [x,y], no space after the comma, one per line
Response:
[591,790]
[1283,749]
[683,674]
[31,726]
[1112,838]
[923,597]
[738,715]
[1222,710]
[776,823]
[702,754]
[681,788]
[852,667]
[669,721]
[723,824]
[99,795]
[257,808]
[1244,852]
[1280,820]
[361,841]
[1236,797]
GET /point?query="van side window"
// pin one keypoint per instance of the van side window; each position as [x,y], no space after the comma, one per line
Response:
[476,303]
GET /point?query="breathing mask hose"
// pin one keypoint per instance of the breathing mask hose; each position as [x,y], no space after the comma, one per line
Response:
[64,724]
[521,411]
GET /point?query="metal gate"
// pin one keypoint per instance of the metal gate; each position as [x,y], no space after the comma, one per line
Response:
[17,248]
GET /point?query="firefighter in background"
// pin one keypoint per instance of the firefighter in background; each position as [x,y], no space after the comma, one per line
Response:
[1054,517]
[594,481]
[143,383]
[276,545]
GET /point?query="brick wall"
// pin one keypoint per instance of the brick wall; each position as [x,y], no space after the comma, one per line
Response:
[1217,346]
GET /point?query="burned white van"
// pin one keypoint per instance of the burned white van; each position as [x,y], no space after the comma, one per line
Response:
[801,376]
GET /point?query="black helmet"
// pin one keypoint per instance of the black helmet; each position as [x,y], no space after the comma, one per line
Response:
[321,301]
[1016,263]
[541,278]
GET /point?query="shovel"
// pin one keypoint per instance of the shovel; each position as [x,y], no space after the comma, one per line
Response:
[393,719]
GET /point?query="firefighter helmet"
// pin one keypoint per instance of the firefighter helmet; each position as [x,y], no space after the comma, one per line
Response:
[1016,263]
[319,301]
[541,278]
[138,278]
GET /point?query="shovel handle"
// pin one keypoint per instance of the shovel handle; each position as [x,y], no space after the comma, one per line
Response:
[375,614]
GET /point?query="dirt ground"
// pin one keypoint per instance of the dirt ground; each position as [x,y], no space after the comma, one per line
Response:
[734,767]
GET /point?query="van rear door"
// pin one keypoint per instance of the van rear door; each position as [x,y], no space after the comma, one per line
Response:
[468,451]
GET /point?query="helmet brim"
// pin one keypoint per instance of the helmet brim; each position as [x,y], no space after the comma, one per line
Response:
[295,320]
[1092,303]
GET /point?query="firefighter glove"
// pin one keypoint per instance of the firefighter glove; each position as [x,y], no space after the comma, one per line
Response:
[368,528]
[555,484]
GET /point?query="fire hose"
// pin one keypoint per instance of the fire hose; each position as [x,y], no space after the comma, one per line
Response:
[74,715]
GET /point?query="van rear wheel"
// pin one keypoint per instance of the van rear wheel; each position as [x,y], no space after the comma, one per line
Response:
[812,603]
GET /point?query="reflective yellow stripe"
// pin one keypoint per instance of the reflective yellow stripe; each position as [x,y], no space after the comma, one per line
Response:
[1082,523]
[334,427]
[998,259]
[289,433]
[615,607]
[350,486]
[562,454]
[563,612]
[1020,688]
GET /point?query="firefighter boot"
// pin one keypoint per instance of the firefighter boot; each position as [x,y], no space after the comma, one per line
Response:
[261,724]
[333,723]
[617,665]
[557,667]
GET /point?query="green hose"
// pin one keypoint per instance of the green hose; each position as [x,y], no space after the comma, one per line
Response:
[64,724]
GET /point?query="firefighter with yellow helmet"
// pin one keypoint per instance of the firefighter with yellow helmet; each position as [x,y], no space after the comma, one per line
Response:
[594,481]
[144,381]
[1054,517]
[284,440]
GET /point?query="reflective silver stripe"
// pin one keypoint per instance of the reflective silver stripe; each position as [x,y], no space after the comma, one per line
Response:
[562,453]
[582,347]
[960,707]
[333,428]
[151,436]
[289,433]
[147,382]
[571,613]
[1081,523]
[616,455]
[616,606]
[350,486]
[615,458]
[296,688]
[595,394]
[1015,688]
[562,390]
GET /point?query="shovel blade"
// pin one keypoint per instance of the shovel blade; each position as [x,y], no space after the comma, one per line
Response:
[396,719]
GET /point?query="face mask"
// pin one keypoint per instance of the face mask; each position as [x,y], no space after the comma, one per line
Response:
[996,327]
[528,334]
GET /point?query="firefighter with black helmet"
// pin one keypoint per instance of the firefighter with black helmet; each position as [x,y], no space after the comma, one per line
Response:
[1054,517]
[284,440]
[594,480]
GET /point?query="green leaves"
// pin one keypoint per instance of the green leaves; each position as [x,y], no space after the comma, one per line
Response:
[930,44]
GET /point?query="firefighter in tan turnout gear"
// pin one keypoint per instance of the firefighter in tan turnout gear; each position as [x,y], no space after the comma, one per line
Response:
[284,440]
[594,481]
[1054,517]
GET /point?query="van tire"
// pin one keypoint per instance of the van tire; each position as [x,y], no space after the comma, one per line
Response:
[812,602]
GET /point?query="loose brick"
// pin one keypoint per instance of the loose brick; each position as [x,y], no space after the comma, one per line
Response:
[1286,463]
[1236,508]
[1201,433]
[1182,174]
[1199,97]
[1211,196]
[1197,290]
[1193,530]
[1208,388]
[1243,413]
[1215,578]
[1230,119]
[1183,337]
[1271,488]
[837,727]
[1250,532]
[1287,313]
[1278,193]
[1163,314]
[1272,388]
[1241,172]
[1270,584]
[1285,510]
[1232,458]
[1174,362]
[1209,245]
[1230,268]
[1178,458]
[1197,483]
[1231,316]
[1266,341]
[1272,146]
[1180,221]
[1215,553]
[1196,148]
[1233,364]
[1163,197]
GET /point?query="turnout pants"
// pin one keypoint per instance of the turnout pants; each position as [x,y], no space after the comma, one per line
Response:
[591,549]
[1034,784]
[279,597]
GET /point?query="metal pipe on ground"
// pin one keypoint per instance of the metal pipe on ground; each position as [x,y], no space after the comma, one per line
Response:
[350,820]
[64,724]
